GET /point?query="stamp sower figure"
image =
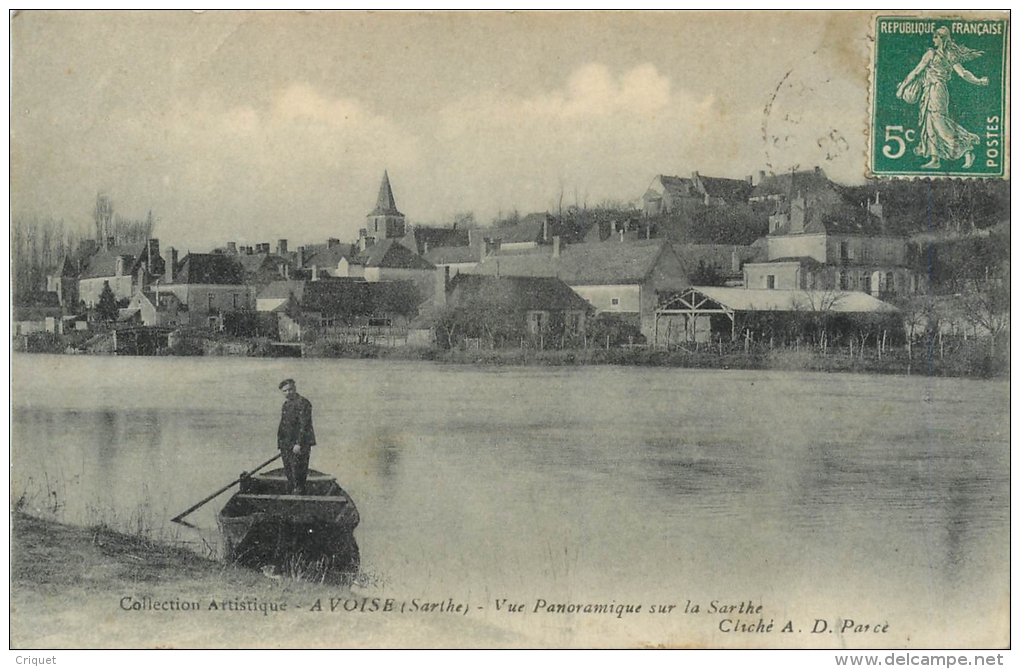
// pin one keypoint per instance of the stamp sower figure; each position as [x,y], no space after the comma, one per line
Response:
[295,436]
[941,136]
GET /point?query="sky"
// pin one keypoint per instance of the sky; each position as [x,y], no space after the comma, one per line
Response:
[256,126]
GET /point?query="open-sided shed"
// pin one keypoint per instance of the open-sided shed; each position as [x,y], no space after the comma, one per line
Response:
[698,312]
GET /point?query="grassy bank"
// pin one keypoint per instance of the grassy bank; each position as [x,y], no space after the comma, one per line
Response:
[965,360]
[957,358]
[74,587]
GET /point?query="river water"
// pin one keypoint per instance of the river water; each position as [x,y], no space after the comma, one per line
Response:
[816,496]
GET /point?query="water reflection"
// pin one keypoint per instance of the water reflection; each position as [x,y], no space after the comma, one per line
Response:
[593,480]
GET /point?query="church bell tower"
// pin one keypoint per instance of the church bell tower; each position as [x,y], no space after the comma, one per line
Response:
[386,221]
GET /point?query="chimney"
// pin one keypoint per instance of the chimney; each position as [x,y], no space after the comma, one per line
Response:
[299,261]
[442,279]
[153,249]
[761,176]
[425,247]
[281,247]
[171,265]
[315,272]
[331,242]
[545,229]
[735,261]
[875,209]
[623,231]
[798,214]
[232,248]
[818,170]
[749,180]
[556,246]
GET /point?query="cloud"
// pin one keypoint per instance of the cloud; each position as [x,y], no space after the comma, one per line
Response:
[601,134]
[303,161]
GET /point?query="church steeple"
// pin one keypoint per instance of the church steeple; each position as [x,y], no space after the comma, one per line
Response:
[386,221]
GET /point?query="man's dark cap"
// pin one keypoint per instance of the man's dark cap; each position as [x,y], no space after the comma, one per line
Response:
[287,382]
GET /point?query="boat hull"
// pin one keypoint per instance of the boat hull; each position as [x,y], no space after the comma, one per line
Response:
[310,535]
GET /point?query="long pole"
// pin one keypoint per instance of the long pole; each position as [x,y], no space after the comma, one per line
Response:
[180,518]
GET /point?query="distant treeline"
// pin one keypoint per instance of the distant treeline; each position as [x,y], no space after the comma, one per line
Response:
[40,245]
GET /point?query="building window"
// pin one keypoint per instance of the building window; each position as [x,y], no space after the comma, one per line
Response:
[844,250]
[379,322]
[844,281]
[212,301]
[770,282]
[890,283]
[866,283]
[615,301]
[572,323]
[376,225]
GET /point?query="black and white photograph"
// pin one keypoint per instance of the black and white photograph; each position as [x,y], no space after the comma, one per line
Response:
[507,330]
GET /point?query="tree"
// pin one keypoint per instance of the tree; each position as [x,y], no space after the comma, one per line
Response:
[706,275]
[102,217]
[987,307]
[465,220]
[106,308]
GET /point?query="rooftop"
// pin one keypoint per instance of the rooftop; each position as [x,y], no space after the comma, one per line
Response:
[605,263]
[517,293]
[746,299]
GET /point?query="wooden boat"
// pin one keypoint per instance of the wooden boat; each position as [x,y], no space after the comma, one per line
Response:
[309,535]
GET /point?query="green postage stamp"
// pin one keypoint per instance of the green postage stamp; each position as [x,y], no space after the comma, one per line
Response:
[939,96]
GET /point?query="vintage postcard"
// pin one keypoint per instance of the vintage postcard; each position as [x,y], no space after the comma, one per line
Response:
[510,330]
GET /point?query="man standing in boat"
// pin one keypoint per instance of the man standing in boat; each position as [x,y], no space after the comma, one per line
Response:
[295,436]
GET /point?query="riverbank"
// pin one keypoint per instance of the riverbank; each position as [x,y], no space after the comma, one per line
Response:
[966,359]
[77,587]
[957,357]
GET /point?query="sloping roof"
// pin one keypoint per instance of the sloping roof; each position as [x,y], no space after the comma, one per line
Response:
[390,253]
[730,190]
[785,184]
[166,298]
[677,186]
[746,299]
[67,267]
[516,293]
[209,268]
[448,255]
[420,235]
[526,231]
[608,263]
[328,256]
[385,205]
[348,298]
[719,256]
[104,263]
[22,314]
[252,263]
[803,261]
[281,290]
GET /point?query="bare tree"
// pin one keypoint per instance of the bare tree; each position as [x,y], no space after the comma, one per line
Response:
[102,216]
